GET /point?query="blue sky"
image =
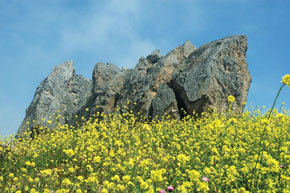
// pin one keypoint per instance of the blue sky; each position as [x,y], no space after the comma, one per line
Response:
[37,35]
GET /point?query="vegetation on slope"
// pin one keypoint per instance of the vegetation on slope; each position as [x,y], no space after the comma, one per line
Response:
[213,153]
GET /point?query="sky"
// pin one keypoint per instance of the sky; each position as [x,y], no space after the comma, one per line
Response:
[37,35]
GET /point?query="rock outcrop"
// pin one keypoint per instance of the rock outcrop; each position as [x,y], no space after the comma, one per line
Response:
[211,73]
[61,93]
[187,79]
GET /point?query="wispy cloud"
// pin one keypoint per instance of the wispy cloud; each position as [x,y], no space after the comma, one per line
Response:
[43,36]
[111,29]
[37,35]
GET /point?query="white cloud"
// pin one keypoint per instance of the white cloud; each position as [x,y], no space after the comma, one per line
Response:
[43,35]
[137,49]
[110,30]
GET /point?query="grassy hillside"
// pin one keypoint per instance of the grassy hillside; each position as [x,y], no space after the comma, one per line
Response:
[214,153]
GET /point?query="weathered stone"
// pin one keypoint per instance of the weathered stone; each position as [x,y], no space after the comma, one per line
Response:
[164,103]
[62,92]
[188,48]
[102,75]
[147,77]
[108,82]
[211,73]
[186,79]
[154,56]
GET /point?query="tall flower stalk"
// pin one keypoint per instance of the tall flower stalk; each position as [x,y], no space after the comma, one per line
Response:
[285,81]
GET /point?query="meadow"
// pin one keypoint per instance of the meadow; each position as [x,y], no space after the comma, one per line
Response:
[228,152]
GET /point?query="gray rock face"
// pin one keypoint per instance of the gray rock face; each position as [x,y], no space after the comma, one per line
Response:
[211,73]
[108,83]
[62,92]
[164,103]
[154,56]
[147,77]
[186,79]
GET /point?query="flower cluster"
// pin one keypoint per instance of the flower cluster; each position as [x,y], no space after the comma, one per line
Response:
[242,152]
[231,99]
[286,79]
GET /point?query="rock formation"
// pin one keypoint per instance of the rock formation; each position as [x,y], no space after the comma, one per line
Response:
[186,79]
[62,92]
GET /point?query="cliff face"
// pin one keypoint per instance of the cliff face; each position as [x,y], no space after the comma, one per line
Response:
[189,78]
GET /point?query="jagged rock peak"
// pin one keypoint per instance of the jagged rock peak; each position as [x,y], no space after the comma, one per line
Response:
[62,72]
[62,92]
[103,74]
[154,56]
[186,79]
[188,48]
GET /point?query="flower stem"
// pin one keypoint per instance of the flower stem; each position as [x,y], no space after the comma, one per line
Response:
[260,154]
[275,100]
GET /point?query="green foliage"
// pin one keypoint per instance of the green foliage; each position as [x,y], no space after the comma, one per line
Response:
[247,152]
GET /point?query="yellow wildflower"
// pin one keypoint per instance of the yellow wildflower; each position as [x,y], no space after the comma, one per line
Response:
[71,170]
[69,152]
[243,190]
[285,178]
[32,164]
[156,175]
[193,175]
[182,159]
[116,178]
[66,182]
[231,98]
[203,187]
[286,79]
[30,179]
[46,173]
[90,168]
[143,185]
[126,178]
[24,170]
[11,175]
[97,159]
[33,190]
[105,190]
[92,179]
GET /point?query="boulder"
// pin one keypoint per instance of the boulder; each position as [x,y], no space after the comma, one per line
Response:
[211,73]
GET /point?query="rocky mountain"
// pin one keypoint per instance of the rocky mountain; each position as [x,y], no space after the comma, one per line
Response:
[186,79]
